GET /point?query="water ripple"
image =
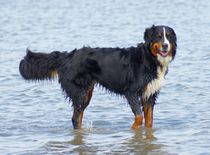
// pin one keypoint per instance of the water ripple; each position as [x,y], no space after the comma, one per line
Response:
[35,117]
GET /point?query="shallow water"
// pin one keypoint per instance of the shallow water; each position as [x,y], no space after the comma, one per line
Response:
[35,118]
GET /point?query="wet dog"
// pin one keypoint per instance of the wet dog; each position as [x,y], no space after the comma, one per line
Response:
[137,73]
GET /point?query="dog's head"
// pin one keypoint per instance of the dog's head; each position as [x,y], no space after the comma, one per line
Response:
[161,41]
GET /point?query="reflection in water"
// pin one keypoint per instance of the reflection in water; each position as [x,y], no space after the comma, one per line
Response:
[78,138]
[79,144]
[143,141]
[144,133]
[76,145]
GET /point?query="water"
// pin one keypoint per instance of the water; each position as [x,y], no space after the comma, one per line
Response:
[35,118]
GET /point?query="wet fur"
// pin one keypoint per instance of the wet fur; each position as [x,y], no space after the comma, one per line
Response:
[124,71]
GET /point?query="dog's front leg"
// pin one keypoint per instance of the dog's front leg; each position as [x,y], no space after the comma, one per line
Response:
[135,105]
[148,107]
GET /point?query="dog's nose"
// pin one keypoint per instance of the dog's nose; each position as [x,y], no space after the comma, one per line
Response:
[165,46]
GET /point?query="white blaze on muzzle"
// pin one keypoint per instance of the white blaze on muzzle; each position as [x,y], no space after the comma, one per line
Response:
[165,40]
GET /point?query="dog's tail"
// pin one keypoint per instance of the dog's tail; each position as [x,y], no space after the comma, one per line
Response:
[40,66]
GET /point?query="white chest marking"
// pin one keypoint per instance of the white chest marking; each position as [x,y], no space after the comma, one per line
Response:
[155,85]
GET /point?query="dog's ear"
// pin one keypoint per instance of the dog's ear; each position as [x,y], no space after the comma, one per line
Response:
[174,44]
[148,33]
[174,35]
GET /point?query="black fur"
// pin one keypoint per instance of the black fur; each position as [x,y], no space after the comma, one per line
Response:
[125,71]
[39,66]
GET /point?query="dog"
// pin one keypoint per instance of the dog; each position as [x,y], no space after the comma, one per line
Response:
[137,73]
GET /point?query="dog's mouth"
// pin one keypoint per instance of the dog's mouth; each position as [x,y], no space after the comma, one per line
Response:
[164,53]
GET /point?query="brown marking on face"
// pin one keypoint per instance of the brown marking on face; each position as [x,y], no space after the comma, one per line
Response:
[138,122]
[155,48]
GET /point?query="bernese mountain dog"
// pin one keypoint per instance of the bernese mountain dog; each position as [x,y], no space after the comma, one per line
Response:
[137,73]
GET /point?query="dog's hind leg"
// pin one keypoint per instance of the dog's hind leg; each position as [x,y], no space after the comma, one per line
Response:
[80,102]
[77,119]
[135,105]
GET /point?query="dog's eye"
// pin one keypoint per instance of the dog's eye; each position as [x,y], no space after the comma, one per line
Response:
[159,35]
[167,34]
